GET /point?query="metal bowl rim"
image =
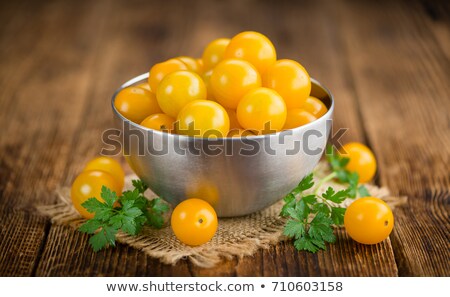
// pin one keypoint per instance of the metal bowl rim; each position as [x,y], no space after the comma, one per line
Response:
[143,76]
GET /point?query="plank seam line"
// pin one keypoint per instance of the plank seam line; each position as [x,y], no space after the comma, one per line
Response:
[47,227]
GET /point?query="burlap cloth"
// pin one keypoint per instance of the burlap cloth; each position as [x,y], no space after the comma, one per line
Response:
[235,237]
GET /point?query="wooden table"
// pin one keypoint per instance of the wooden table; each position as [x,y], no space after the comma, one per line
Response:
[387,65]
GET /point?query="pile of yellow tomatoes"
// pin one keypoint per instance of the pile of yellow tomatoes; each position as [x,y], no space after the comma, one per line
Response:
[237,88]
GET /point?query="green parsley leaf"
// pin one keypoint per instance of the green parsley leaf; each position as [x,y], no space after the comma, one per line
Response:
[109,196]
[321,207]
[133,213]
[310,219]
[289,202]
[309,199]
[304,243]
[363,192]
[337,215]
[92,205]
[106,236]
[320,228]
[90,226]
[306,183]
[302,209]
[353,179]
[139,185]
[154,215]
[294,229]
[336,197]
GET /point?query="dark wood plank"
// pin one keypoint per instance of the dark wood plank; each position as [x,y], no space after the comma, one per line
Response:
[401,77]
[46,59]
[45,94]
[67,253]
[21,239]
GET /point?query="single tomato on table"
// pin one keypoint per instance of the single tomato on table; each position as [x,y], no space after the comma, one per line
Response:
[194,221]
[369,220]
[108,165]
[89,185]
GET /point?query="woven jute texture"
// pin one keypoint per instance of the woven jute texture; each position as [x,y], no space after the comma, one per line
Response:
[236,237]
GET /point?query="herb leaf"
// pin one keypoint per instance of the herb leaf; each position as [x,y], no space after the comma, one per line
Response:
[363,192]
[337,215]
[139,185]
[336,197]
[129,215]
[311,216]
[294,229]
[306,183]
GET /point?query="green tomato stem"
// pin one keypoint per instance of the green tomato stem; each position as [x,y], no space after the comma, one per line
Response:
[324,180]
[320,184]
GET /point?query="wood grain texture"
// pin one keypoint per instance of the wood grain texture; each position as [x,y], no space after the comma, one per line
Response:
[349,258]
[61,61]
[22,237]
[412,141]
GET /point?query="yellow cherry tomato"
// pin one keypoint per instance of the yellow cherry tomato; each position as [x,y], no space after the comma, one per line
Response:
[194,222]
[252,47]
[207,81]
[201,65]
[234,123]
[262,110]
[315,107]
[160,70]
[239,133]
[213,52]
[362,160]
[136,103]
[231,80]
[160,122]
[298,117]
[108,165]
[144,86]
[290,80]
[369,220]
[179,88]
[191,64]
[203,118]
[89,185]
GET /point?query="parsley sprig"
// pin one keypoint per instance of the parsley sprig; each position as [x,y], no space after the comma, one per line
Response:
[128,213]
[311,216]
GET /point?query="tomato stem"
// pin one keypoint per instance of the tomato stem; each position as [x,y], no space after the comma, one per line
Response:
[324,180]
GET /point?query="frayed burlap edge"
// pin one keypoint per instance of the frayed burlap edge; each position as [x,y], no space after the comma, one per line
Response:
[235,237]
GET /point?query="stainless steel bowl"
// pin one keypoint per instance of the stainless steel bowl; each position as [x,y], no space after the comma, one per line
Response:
[236,176]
